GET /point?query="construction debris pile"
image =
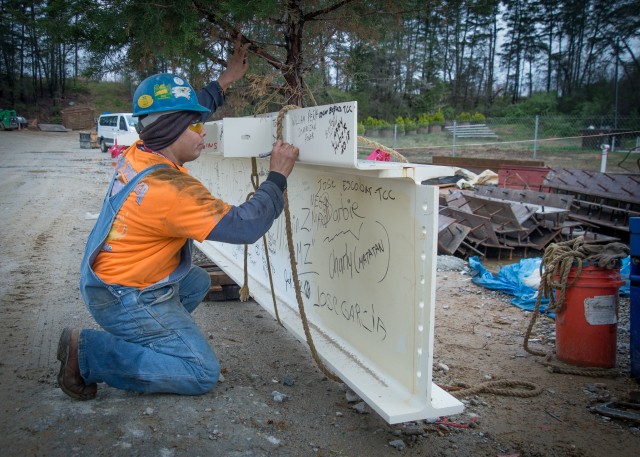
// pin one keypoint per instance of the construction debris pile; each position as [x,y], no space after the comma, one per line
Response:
[567,203]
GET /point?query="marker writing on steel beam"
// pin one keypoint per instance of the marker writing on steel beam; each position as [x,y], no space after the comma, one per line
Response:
[264,155]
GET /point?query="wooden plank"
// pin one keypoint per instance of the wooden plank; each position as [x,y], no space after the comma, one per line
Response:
[478,165]
[217,275]
[222,288]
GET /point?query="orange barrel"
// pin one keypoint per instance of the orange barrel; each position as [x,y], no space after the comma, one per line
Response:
[587,324]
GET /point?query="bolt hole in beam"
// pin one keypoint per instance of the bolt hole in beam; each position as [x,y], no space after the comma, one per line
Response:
[365,237]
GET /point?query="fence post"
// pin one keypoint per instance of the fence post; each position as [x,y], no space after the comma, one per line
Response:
[453,146]
[603,159]
[395,136]
[535,138]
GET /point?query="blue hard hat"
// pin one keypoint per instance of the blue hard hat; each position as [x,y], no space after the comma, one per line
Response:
[165,92]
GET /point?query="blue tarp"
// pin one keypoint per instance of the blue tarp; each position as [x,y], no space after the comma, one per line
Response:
[625,271]
[513,280]
[522,280]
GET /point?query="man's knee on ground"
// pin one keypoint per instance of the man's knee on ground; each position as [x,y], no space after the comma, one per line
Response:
[207,377]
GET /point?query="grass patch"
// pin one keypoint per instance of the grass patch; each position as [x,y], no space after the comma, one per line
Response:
[110,97]
[564,153]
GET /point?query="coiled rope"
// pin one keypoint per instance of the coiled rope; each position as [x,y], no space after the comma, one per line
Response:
[557,261]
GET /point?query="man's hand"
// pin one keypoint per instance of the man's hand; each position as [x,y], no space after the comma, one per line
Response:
[283,157]
[237,65]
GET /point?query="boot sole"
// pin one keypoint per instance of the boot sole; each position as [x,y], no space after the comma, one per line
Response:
[63,356]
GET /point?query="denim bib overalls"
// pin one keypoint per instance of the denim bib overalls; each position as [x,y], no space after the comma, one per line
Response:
[149,341]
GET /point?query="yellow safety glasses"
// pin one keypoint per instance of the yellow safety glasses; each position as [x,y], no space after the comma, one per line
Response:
[197,127]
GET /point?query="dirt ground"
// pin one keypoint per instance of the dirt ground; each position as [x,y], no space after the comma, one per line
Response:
[51,190]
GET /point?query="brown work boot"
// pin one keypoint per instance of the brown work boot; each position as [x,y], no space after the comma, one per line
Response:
[69,378]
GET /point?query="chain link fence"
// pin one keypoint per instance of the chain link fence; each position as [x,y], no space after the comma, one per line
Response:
[568,142]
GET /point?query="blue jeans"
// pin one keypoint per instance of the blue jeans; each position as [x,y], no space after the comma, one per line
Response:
[150,342]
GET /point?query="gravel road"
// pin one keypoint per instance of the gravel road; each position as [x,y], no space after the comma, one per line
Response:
[50,191]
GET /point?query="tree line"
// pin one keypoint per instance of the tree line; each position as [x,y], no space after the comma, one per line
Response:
[397,58]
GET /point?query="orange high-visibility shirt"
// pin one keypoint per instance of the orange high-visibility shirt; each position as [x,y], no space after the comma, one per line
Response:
[166,209]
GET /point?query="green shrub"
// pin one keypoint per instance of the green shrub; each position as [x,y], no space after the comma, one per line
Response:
[537,103]
[463,117]
[448,113]
[384,125]
[423,121]
[437,117]
[410,124]
[370,122]
[478,118]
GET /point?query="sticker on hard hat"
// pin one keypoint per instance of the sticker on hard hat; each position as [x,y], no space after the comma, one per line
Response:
[161,92]
[145,101]
[181,92]
[178,81]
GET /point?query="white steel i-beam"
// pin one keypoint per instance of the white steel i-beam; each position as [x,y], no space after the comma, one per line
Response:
[365,237]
